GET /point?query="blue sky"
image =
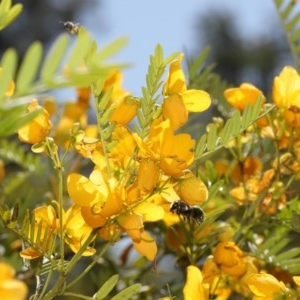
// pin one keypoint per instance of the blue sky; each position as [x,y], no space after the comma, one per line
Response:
[170,23]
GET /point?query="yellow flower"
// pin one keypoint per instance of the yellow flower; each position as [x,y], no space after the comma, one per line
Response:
[286,88]
[239,97]
[146,246]
[194,287]
[286,95]
[192,190]
[172,152]
[126,109]
[178,99]
[102,200]
[265,286]
[45,223]
[210,270]
[230,258]
[36,130]
[11,288]
[76,230]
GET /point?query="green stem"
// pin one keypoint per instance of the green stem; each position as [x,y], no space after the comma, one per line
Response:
[78,255]
[103,142]
[74,295]
[60,215]
[88,268]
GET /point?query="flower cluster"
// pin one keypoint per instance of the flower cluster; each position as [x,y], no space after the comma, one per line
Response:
[134,179]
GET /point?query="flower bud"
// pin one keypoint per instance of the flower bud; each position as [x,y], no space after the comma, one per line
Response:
[192,190]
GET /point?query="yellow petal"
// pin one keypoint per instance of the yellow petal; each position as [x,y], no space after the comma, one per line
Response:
[125,111]
[265,285]
[193,288]
[192,190]
[240,96]
[92,219]
[6,271]
[13,290]
[286,88]
[196,100]
[30,253]
[175,82]
[148,175]
[132,224]
[81,190]
[174,109]
[149,211]
[36,130]
[146,246]
[297,280]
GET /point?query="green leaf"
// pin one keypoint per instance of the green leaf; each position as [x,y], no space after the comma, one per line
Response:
[292,23]
[29,67]
[104,99]
[196,65]
[107,287]
[247,116]
[211,137]
[295,36]
[10,15]
[13,120]
[54,57]
[285,12]
[79,50]
[170,58]
[288,254]
[226,133]
[256,108]
[8,65]
[111,49]
[278,246]
[236,123]
[128,292]
[201,145]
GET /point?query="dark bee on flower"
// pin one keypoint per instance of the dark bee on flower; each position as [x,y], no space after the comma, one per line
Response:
[189,213]
[73,28]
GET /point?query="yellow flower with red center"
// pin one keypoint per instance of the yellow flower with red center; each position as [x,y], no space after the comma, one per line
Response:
[178,99]
[265,286]
[245,94]
[230,258]
[172,152]
[11,288]
[36,130]
[194,287]
[286,94]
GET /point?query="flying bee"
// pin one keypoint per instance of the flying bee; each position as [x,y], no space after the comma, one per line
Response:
[73,28]
[189,213]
